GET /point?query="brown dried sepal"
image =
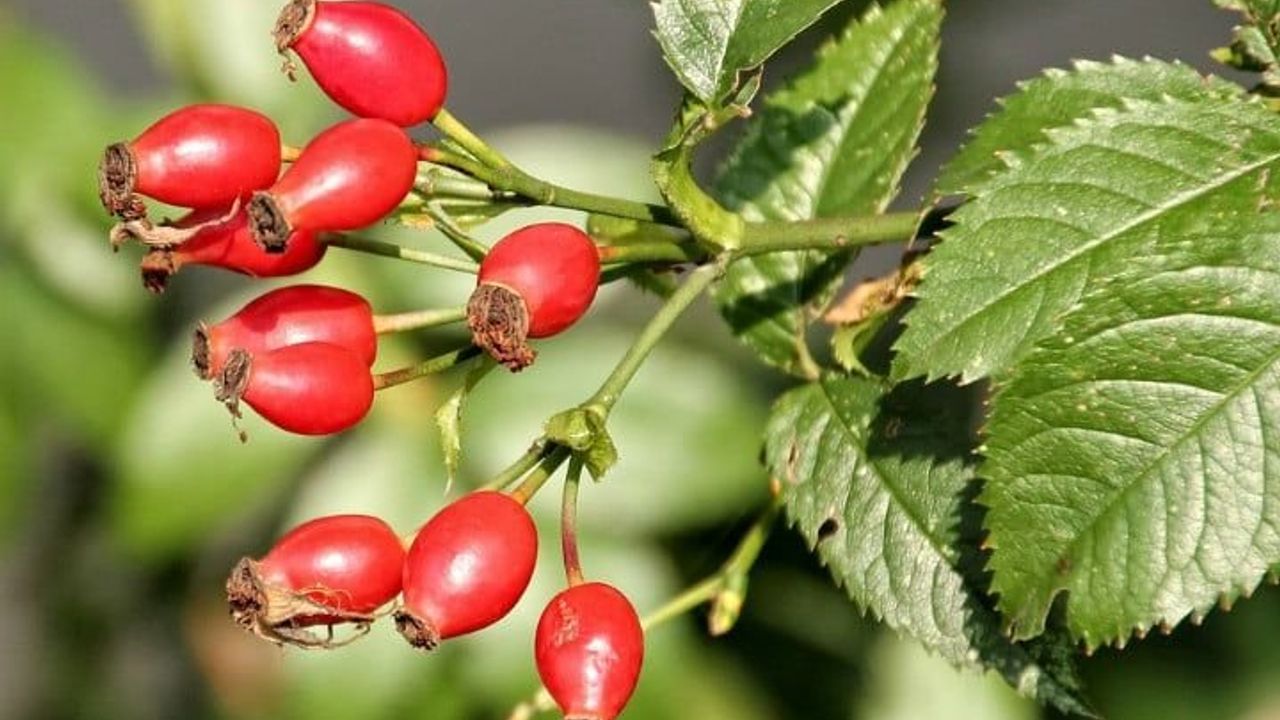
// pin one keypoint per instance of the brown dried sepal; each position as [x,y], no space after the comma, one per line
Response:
[294,20]
[158,265]
[499,322]
[417,632]
[282,616]
[268,224]
[230,385]
[117,177]
[200,352]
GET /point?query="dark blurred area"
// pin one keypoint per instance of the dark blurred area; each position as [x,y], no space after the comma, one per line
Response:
[125,495]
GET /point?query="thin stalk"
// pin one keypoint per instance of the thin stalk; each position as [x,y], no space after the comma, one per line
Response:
[680,300]
[420,320]
[391,250]
[509,178]
[526,462]
[455,130]
[289,153]
[456,235]
[434,366]
[539,477]
[569,524]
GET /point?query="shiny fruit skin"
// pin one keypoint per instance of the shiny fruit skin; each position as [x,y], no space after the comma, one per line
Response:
[349,177]
[553,267]
[290,316]
[228,244]
[374,61]
[206,156]
[589,648]
[351,563]
[467,568]
[309,389]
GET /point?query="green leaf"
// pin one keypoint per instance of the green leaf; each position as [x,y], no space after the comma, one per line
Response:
[1061,97]
[584,431]
[835,142]
[1256,44]
[880,485]
[1053,227]
[449,418]
[708,43]
[1132,458]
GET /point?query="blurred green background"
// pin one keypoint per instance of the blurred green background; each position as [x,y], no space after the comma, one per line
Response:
[125,495]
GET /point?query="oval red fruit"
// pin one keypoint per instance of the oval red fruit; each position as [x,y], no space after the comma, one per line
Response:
[368,57]
[326,571]
[201,156]
[289,316]
[534,283]
[309,389]
[349,177]
[589,649]
[467,567]
[228,244]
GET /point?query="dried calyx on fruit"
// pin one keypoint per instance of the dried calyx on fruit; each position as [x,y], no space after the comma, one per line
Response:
[202,156]
[368,57]
[349,177]
[225,242]
[466,569]
[534,283]
[329,571]
[589,649]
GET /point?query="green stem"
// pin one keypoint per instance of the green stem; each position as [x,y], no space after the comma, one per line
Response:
[391,250]
[402,322]
[698,282]
[509,178]
[456,235]
[829,233]
[434,366]
[569,524]
[651,251]
[455,130]
[534,455]
[539,477]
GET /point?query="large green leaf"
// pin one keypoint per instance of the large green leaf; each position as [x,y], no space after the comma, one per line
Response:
[708,43]
[835,142]
[1060,97]
[880,485]
[1059,223]
[1133,457]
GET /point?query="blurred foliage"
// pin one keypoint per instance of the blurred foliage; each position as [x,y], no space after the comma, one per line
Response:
[125,495]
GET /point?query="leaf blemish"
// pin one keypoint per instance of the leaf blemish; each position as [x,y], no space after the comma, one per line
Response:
[829,527]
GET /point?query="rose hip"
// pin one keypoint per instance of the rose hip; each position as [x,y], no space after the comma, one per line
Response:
[589,649]
[467,568]
[288,316]
[534,283]
[331,570]
[202,156]
[309,389]
[368,57]
[349,177]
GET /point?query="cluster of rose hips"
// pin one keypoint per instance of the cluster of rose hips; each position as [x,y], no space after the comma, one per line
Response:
[301,356]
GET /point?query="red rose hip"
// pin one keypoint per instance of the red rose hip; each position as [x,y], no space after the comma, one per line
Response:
[589,649]
[202,156]
[534,283]
[288,316]
[467,568]
[229,245]
[368,57]
[326,571]
[349,177]
[309,389]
